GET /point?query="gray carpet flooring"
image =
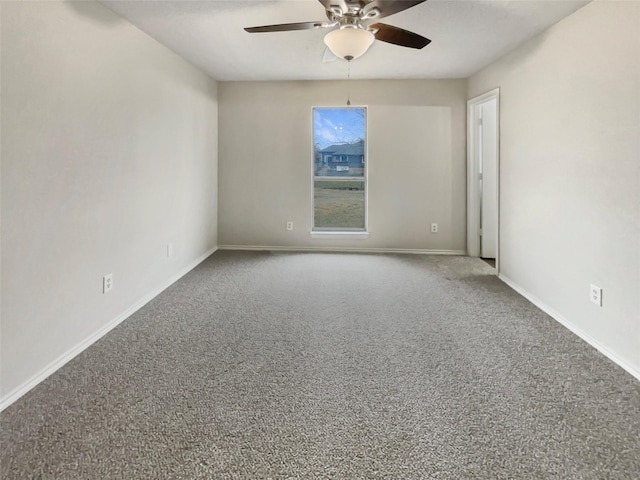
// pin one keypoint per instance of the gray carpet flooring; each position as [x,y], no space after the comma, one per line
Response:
[262,365]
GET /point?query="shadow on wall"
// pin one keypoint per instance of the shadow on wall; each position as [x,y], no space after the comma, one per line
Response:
[152,69]
[102,16]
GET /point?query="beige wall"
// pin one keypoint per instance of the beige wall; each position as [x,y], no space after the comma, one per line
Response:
[570,171]
[416,146]
[109,152]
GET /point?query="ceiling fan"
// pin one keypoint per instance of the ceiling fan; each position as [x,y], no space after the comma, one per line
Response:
[355,33]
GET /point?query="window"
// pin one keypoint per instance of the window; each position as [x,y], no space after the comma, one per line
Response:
[339,169]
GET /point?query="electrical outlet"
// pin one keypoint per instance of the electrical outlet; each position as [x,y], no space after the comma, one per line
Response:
[289,225]
[107,283]
[169,249]
[595,294]
[434,228]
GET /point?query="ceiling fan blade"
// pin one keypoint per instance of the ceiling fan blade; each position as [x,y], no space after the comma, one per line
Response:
[285,27]
[399,36]
[389,7]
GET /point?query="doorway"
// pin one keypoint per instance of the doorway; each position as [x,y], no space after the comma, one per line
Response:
[483,176]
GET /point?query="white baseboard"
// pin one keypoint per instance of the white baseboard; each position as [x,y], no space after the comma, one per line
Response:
[562,320]
[19,391]
[73,352]
[414,251]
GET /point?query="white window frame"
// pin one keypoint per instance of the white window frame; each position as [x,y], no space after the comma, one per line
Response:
[332,232]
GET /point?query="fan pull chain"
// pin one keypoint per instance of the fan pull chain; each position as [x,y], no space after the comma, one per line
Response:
[348,83]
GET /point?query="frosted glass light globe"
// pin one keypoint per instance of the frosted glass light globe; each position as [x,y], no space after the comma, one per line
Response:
[349,43]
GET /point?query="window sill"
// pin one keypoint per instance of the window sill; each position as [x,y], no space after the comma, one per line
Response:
[340,235]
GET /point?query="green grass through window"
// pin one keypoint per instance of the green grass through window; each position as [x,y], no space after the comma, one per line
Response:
[341,206]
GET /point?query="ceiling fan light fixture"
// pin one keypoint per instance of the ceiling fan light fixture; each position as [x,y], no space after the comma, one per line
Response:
[349,42]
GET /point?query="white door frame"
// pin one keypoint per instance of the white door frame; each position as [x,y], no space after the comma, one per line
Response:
[473,190]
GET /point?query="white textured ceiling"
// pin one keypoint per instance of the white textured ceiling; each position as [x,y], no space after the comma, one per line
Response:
[466,35]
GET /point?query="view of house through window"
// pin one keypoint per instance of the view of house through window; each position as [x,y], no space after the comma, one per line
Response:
[339,163]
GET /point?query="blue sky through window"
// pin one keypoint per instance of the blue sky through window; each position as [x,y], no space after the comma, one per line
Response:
[338,125]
